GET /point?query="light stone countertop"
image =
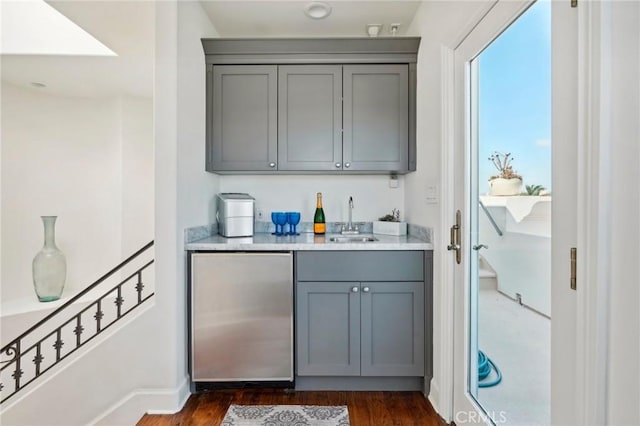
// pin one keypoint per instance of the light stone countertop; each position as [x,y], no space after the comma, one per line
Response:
[305,242]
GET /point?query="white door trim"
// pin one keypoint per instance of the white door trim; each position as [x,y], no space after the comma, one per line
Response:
[447,289]
[593,219]
[594,199]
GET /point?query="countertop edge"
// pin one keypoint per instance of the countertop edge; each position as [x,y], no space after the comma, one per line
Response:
[266,242]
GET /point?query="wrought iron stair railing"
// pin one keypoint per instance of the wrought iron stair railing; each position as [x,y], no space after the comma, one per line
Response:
[25,357]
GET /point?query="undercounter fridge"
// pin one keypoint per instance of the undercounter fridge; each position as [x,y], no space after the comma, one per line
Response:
[241,319]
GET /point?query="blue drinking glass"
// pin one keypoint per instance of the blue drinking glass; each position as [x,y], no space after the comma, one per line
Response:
[293,219]
[274,219]
[281,219]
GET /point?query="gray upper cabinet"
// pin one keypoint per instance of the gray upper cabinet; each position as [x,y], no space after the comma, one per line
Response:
[311,105]
[309,117]
[376,117]
[242,119]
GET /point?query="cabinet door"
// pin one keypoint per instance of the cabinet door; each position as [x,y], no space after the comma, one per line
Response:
[392,328]
[310,117]
[376,117]
[328,329]
[242,133]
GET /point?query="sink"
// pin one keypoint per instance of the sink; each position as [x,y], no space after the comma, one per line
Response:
[353,239]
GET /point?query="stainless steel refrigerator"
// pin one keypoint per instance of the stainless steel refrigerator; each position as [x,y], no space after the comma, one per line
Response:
[241,317]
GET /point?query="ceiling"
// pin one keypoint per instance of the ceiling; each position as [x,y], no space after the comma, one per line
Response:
[348,18]
[128,27]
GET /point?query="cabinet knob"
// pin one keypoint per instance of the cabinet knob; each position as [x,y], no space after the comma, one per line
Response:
[338,165]
[347,165]
[365,289]
[354,289]
[272,165]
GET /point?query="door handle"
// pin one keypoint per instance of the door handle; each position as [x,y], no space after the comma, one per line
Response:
[455,238]
[480,246]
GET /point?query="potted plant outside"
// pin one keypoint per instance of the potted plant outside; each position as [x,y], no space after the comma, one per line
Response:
[390,224]
[507,182]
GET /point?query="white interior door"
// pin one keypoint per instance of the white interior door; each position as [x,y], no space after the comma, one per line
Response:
[564,184]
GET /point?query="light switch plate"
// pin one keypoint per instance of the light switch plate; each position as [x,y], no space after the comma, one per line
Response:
[432,194]
[393,181]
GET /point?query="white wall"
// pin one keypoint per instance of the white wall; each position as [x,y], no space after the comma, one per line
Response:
[624,317]
[372,196]
[137,173]
[88,161]
[439,23]
[194,187]
[60,156]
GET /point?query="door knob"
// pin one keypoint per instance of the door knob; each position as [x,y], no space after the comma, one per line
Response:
[272,165]
[347,165]
[354,289]
[480,246]
[338,165]
[365,289]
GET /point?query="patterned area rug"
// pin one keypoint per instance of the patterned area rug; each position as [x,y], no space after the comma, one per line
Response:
[286,415]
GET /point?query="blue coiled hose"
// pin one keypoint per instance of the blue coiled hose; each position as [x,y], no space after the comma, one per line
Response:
[485,365]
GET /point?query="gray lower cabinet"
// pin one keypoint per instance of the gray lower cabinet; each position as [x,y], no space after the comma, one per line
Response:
[328,324]
[242,123]
[392,328]
[357,327]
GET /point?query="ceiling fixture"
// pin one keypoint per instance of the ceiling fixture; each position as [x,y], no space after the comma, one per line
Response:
[373,29]
[317,10]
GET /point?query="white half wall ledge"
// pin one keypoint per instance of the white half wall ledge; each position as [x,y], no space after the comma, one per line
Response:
[130,409]
[520,206]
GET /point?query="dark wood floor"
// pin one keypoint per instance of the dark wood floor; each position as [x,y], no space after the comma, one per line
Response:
[365,408]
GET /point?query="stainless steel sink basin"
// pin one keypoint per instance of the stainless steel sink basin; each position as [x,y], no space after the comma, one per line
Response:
[353,239]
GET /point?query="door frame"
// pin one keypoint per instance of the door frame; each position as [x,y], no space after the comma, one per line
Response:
[594,29]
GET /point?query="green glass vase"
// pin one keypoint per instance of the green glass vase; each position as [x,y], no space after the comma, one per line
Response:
[49,266]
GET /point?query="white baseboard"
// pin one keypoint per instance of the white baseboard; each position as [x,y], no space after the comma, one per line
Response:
[130,409]
[434,398]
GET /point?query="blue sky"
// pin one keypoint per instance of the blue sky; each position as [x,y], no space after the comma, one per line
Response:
[515,98]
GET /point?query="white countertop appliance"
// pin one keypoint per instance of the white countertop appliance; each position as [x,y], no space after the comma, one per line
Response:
[235,214]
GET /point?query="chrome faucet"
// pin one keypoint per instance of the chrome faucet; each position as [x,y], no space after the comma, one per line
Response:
[350,228]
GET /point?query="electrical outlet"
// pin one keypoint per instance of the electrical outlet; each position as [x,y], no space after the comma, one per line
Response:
[259,215]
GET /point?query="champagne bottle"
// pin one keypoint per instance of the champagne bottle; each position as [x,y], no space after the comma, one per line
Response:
[319,226]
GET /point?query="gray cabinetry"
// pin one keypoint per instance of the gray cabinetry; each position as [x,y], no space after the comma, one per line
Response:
[392,328]
[242,120]
[352,320]
[293,105]
[309,117]
[376,117]
[328,325]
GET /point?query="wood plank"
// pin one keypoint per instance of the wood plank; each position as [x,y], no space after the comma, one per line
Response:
[365,408]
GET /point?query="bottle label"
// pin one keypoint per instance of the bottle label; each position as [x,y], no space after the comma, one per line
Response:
[319,228]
